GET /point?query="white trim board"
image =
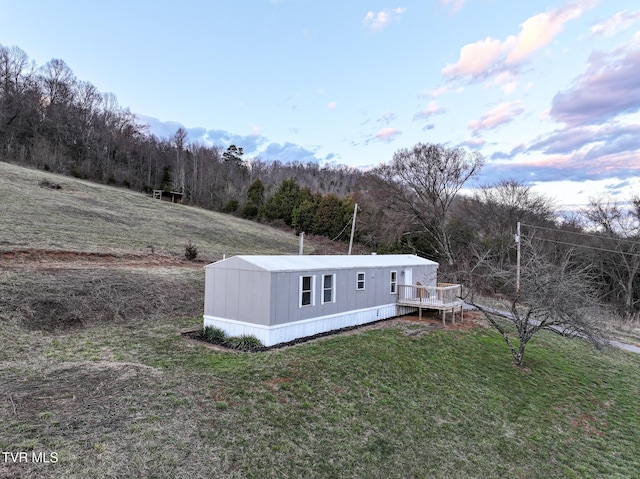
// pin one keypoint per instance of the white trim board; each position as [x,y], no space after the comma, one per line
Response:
[282,333]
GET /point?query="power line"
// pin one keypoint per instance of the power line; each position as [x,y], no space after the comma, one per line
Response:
[607,250]
[589,247]
[589,235]
[345,227]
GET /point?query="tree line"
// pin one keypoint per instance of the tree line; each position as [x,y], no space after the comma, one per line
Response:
[51,120]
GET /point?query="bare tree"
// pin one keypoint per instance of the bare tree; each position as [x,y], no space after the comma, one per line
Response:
[556,293]
[494,210]
[618,249]
[179,139]
[423,182]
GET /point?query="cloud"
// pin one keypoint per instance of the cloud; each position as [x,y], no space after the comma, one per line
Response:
[489,57]
[386,118]
[473,143]
[332,105]
[574,167]
[507,81]
[376,22]
[539,30]
[436,92]
[477,60]
[166,129]
[607,89]
[387,135]
[456,5]
[250,143]
[432,109]
[576,154]
[617,23]
[290,152]
[500,115]
[613,138]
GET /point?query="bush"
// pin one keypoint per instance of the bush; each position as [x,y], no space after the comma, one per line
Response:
[190,251]
[214,335]
[231,206]
[245,342]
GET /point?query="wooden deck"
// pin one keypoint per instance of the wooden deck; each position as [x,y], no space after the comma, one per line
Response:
[444,297]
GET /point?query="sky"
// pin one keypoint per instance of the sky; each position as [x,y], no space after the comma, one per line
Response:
[548,91]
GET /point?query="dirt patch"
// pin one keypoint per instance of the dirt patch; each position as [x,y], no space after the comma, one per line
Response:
[81,259]
[471,319]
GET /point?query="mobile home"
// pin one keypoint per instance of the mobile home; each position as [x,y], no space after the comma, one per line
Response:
[282,298]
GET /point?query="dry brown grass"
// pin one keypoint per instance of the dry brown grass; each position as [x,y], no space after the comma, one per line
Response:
[88,217]
[51,299]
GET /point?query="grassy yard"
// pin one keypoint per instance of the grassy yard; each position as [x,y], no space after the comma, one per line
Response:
[94,371]
[402,399]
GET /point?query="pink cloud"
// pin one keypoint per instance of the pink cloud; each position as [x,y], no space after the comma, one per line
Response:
[501,114]
[387,135]
[432,109]
[490,56]
[540,29]
[476,59]
[332,105]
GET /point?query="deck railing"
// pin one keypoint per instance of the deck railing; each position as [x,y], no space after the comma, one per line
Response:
[445,297]
[442,295]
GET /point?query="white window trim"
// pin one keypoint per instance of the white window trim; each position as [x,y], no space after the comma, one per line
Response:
[333,288]
[364,281]
[313,289]
[393,287]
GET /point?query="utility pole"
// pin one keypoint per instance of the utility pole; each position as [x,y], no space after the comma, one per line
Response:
[518,259]
[353,226]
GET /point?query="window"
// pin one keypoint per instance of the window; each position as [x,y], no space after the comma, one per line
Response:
[394,282]
[306,290]
[327,288]
[360,281]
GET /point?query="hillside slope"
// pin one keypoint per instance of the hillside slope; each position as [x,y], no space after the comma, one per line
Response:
[87,217]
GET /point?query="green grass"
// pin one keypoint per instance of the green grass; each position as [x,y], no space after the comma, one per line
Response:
[135,401]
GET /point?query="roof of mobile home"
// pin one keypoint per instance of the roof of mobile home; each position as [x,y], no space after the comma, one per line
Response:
[323,262]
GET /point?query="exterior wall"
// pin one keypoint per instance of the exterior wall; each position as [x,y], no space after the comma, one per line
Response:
[285,306]
[238,293]
[241,298]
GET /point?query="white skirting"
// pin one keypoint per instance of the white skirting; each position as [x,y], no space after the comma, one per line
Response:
[282,333]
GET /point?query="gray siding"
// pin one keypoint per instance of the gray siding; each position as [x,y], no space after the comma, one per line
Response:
[248,293]
[239,294]
[285,292]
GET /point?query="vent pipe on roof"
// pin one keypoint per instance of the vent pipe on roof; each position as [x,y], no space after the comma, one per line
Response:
[301,247]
